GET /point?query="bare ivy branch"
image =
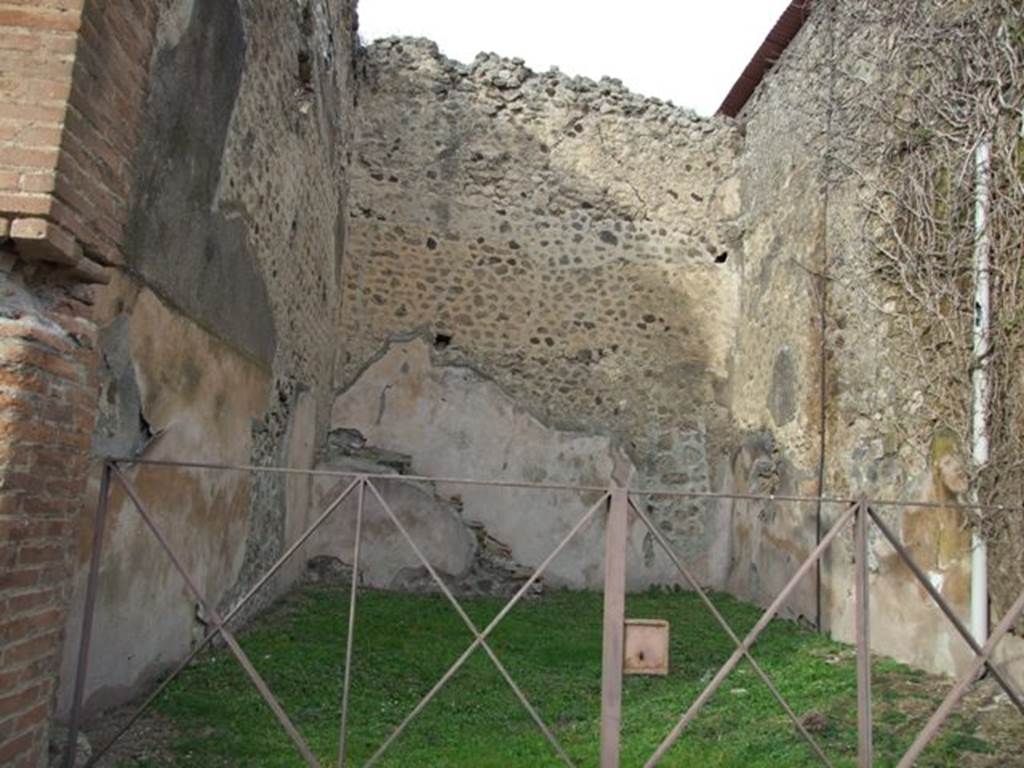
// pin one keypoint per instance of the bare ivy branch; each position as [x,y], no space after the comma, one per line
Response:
[938,77]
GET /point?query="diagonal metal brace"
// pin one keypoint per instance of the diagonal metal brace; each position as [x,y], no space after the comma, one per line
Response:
[212,633]
[229,638]
[749,640]
[480,637]
[902,551]
[724,624]
[964,682]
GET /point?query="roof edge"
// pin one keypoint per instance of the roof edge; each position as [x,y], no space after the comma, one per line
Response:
[781,35]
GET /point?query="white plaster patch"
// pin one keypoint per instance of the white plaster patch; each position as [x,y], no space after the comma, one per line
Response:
[200,397]
[455,424]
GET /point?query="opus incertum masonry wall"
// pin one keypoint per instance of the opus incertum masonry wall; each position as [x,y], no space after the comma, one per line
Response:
[230,233]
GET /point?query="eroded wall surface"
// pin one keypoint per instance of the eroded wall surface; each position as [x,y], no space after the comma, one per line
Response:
[565,239]
[454,423]
[482,271]
[803,222]
[777,352]
[47,413]
[217,338]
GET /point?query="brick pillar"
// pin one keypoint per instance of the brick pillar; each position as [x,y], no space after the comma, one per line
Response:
[77,72]
[48,393]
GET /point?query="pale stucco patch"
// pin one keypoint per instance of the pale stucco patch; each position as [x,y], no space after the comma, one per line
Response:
[455,424]
[199,398]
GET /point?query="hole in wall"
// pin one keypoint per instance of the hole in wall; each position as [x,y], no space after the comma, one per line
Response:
[305,70]
[145,428]
[442,340]
[305,59]
[722,257]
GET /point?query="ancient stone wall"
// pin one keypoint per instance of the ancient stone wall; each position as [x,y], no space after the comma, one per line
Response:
[452,422]
[217,336]
[776,358]
[565,239]
[804,223]
[453,270]
[739,316]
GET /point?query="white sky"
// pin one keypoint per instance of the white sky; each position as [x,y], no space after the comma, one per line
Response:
[686,51]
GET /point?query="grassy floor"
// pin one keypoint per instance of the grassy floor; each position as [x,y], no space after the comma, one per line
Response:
[551,646]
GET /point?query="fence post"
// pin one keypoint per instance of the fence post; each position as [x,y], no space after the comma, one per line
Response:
[614,626]
[862,608]
[88,612]
[350,635]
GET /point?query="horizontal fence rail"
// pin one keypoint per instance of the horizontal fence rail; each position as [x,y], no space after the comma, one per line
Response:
[617,503]
[255,468]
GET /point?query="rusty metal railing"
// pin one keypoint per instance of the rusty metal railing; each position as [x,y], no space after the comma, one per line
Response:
[861,515]
[619,502]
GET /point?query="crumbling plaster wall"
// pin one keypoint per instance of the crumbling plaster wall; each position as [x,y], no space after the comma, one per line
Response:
[776,357]
[803,216]
[467,427]
[543,278]
[217,336]
[565,239]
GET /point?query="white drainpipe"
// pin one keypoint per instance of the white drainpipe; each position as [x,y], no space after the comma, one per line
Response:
[980,380]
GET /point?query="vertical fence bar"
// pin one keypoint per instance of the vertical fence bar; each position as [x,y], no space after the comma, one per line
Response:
[99,523]
[750,639]
[351,624]
[862,608]
[614,626]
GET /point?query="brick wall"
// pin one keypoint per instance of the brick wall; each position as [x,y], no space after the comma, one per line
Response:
[72,88]
[94,169]
[47,412]
[37,48]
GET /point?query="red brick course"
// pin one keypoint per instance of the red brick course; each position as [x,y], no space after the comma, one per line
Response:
[73,80]
[47,409]
[72,93]
[105,108]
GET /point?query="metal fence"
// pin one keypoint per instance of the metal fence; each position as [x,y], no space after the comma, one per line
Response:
[616,502]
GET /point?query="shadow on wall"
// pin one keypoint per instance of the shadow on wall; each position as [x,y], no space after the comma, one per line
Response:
[492,210]
[216,328]
[192,252]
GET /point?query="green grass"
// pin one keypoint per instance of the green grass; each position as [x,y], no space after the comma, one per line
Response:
[552,648]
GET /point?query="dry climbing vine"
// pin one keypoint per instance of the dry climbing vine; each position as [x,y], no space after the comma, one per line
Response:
[936,78]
